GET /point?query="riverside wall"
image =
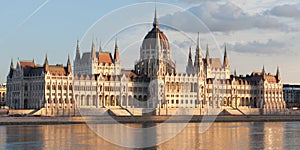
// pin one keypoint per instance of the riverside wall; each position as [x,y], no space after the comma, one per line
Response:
[147,112]
[141,119]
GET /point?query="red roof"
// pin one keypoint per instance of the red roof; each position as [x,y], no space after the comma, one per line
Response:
[105,57]
[271,79]
[57,70]
[27,64]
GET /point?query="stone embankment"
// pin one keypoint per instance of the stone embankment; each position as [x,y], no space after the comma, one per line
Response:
[142,119]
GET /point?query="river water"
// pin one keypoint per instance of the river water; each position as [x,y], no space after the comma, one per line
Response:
[229,135]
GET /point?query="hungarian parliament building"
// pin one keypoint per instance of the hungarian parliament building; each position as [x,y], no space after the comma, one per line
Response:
[97,81]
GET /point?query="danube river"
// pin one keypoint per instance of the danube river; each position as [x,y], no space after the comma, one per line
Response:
[231,135]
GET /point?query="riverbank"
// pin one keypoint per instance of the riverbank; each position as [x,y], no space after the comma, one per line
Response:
[142,119]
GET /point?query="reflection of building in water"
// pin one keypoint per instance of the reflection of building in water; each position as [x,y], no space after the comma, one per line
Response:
[218,136]
[76,136]
[3,137]
[267,135]
[16,137]
[273,135]
[235,135]
[291,135]
[155,82]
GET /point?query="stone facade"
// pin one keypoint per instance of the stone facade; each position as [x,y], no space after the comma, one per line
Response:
[291,95]
[32,86]
[2,94]
[154,83]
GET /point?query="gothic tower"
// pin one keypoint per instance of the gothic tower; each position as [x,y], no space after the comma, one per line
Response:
[116,58]
[190,67]
[198,64]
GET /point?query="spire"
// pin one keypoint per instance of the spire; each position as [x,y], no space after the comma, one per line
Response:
[278,74]
[116,44]
[198,41]
[100,48]
[12,64]
[190,53]
[18,64]
[93,50]
[235,74]
[155,22]
[225,62]
[263,72]
[207,55]
[11,70]
[77,51]
[69,69]
[189,67]
[198,55]
[46,64]
[116,55]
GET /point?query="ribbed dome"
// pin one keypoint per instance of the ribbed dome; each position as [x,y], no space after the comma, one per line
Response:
[150,39]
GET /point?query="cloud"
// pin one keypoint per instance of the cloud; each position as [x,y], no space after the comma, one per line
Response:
[270,47]
[182,44]
[220,17]
[285,11]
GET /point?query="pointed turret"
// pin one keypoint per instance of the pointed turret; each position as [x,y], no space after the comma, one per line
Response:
[18,64]
[69,68]
[207,56]
[199,45]
[198,55]
[155,22]
[116,55]
[100,48]
[190,54]
[234,73]
[46,64]
[263,73]
[278,77]
[189,67]
[11,69]
[77,51]
[12,64]
[93,50]
[225,61]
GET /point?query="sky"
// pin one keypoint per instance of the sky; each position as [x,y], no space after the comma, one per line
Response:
[257,33]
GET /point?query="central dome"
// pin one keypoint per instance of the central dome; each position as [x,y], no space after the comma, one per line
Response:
[155,54]
[150,40]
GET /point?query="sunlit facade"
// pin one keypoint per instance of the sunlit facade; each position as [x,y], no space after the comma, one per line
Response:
[2,94]
[47,87]
[155,83]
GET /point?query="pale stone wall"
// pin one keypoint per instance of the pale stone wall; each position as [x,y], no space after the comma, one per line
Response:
[3,93]
[59,94]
